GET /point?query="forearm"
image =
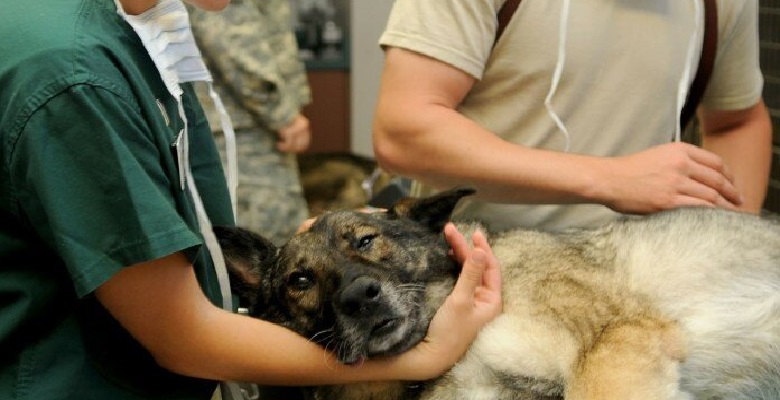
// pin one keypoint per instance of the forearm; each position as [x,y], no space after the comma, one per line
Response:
[441,147]
[162,306]
[239,348]
[746,149]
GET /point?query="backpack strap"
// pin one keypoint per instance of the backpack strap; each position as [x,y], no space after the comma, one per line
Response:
[504,16]
[706,61]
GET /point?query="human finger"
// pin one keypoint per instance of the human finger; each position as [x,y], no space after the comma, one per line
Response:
[479,283]
[695,193]
[284,142]
[456,241]
[721,187]
[710,160]
[304,139]
[293,141]
[306,225]
[491,278]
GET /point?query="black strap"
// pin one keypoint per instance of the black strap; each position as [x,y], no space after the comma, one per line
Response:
[504,16]
[706,61]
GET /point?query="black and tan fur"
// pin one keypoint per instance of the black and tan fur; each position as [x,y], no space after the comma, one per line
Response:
[335,181]
[683,304]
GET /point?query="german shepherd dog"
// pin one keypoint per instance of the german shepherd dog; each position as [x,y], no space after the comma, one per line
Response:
[682,304]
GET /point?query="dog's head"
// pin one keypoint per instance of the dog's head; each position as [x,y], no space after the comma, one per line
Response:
[360,284]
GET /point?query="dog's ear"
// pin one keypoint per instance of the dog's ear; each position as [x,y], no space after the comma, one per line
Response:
[247,257]
[433,211]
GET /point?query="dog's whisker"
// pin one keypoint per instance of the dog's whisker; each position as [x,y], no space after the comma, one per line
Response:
[420,286]
[325,354]
[329,331]
[411,290]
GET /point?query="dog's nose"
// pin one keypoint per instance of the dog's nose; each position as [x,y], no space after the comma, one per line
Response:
[359,296]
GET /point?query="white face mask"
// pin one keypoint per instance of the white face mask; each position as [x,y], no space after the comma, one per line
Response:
[165,32]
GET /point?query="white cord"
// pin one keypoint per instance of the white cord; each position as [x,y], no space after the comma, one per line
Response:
[209,239]
[230,148]
[556,78]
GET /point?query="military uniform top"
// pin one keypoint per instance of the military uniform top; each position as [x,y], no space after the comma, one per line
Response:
[252,54]
[88,185]
[618,89]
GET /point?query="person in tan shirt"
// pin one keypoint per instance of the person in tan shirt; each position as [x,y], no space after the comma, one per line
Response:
[569,118]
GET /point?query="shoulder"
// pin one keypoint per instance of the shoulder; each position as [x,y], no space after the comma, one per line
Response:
[67,44]
[59,45]
[459,33]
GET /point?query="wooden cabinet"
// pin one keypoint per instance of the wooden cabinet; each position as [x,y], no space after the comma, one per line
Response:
[328,112]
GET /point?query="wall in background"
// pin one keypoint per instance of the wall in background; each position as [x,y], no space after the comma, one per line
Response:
[323,34]
[368,22]
[769,34]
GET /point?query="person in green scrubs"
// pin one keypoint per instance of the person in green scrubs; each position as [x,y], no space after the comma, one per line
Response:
[106,288]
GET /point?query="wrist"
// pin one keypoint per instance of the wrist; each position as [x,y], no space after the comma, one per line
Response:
[597,181]
[419,365]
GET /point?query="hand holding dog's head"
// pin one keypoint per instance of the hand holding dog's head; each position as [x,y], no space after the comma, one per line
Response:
[363,285]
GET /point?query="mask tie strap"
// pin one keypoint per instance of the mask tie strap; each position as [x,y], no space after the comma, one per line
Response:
[229,390]
[210,240]
[230,147]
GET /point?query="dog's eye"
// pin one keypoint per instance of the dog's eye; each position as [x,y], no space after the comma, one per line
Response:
[363,243]
[300,280]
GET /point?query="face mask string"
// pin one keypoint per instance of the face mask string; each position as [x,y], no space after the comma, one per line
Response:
[230,145]
[556,78]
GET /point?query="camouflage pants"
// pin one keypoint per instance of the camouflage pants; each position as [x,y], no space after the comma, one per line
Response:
[269,196]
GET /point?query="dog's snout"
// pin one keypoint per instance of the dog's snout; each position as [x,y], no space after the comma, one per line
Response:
[359,295]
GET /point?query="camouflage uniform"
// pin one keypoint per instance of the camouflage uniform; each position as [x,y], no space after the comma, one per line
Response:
[251,51]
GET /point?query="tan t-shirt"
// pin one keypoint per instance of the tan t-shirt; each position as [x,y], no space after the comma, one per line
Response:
[624,60]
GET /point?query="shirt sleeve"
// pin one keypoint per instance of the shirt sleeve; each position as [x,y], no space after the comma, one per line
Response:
[457,32]
[95,185]
[737,81]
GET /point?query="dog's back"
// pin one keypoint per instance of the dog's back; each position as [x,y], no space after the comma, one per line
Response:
[716,273]
[706,281]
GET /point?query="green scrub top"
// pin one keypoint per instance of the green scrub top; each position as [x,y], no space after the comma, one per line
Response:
[89,184]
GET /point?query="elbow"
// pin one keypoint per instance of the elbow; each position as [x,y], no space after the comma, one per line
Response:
[172,360]
[390,152]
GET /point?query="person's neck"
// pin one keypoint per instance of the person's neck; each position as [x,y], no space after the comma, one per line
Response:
[135,7]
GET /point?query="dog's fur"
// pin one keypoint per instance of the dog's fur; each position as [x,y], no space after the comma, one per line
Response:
[682,304]
[334,181]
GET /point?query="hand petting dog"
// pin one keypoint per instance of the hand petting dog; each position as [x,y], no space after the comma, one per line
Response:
[475,301]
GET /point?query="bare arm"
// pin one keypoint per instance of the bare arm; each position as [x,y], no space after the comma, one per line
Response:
[743,139]
[161,305]
[419,133]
